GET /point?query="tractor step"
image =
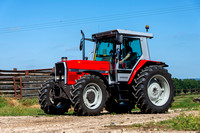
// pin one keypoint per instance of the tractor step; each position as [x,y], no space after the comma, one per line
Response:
[124,100]
[124,95]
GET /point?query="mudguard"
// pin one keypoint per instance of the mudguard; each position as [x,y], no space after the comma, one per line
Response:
[142,64]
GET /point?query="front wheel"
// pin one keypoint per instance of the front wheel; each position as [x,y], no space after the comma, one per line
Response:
[89,95]
[48,103]
[154,90]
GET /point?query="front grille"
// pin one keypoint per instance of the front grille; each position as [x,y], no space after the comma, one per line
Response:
[60,73]
[60,69]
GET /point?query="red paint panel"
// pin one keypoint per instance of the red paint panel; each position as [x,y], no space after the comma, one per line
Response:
[90,65]
[72,76]
[84,65]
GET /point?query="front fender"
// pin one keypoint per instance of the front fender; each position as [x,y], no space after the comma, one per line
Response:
[100,75]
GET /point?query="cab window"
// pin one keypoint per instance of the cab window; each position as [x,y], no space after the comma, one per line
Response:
[105,50]
[130,52]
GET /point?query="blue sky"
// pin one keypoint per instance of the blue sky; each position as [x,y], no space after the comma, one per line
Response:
[35,34]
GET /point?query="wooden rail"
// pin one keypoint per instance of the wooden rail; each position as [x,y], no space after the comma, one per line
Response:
[23,83]
[26,83]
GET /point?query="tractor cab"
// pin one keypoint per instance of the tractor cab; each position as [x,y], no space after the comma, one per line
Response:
[123,49]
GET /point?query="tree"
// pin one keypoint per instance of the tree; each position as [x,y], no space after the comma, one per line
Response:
[186,85]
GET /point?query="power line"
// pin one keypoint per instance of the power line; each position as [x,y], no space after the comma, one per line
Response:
[111,17]
[98,18]
[103,17]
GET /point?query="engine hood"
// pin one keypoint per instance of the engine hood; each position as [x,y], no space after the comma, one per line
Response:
[88,65]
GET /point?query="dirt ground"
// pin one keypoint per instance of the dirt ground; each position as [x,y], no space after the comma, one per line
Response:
[104,123]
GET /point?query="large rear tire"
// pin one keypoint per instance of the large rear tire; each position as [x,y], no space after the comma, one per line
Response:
[154,90]
[89,95]
[50,105]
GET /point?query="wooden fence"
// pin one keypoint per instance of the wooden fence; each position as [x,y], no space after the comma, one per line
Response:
[23,83]
[26,83]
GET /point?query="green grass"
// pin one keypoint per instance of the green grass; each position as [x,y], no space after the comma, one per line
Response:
[28,102]
[21,107]
[185,122]
[186,102]
[182,102]
[25,107]
[182,122]
[3,102]
[20,111]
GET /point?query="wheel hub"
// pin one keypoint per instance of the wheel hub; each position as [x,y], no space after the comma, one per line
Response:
[90,96]
[154,90]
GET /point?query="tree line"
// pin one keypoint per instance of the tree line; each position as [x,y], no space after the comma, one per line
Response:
[186,85]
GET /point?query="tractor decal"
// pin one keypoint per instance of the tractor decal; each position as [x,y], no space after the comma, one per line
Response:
[84,70]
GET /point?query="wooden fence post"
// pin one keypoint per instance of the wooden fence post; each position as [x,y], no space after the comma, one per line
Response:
[21,86]
[14,86]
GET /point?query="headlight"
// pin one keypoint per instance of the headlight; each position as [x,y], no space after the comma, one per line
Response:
[57,77]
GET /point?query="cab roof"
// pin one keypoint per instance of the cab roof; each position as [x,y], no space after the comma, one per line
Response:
[122,32]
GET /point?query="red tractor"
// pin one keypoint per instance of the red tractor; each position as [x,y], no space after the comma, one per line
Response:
[120,76]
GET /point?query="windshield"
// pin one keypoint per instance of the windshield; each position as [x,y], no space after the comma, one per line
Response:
[105,49]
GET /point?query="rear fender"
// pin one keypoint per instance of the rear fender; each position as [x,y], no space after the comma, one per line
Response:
[142,64]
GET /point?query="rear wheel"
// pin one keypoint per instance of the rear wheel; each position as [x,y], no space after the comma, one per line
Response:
[88,95]
[154,90]
[48,103]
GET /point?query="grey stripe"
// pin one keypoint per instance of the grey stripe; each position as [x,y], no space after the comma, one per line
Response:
[83,70]
[65,76]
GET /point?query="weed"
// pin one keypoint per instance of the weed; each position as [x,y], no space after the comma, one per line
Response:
[28,102]
[189,122]
[113,113]
[137,125]
[182,122]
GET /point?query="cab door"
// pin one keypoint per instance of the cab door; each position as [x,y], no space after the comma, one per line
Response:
[129,55]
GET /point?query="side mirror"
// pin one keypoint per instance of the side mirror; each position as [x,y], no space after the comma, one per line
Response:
[119,39]
[81,44]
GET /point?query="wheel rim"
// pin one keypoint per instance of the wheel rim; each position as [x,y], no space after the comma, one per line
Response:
[158,90]
[92,96]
